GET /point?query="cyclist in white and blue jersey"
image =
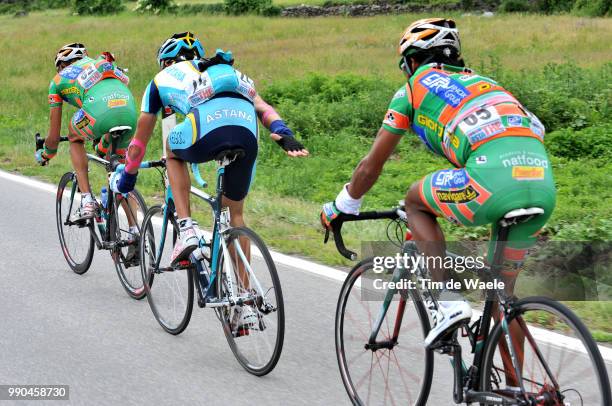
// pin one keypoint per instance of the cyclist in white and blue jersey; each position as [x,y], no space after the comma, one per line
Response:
[221,107]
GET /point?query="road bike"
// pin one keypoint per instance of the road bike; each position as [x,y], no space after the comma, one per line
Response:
[108,230]
[232,271]
[379,334]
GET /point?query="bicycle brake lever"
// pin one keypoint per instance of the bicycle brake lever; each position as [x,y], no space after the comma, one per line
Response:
[326,236]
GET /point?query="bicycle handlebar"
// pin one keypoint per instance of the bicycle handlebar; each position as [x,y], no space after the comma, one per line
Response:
[336,227]
[195,169]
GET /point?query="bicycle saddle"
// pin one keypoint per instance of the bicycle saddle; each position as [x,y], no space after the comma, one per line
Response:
[520,215]
[119,130]
[230,155]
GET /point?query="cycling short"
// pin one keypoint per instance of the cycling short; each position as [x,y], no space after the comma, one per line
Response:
[500,176]
[106,105]
[228,123]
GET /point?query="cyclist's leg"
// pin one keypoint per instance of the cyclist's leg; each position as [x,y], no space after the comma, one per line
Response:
[80,129]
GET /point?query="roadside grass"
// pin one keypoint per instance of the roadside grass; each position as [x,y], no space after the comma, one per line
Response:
[287,193]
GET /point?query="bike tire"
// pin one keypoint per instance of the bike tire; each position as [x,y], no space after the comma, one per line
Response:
[236,345]
[131,283]
[343,360]
[543,304]
[62,206]
[148,248]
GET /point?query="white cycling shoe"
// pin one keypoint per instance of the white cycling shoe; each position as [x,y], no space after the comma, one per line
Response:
[243,320]
[453,310]
[185,244]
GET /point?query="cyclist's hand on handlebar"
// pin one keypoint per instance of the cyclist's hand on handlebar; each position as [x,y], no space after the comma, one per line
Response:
[329,213]
[122,181]
[41,157]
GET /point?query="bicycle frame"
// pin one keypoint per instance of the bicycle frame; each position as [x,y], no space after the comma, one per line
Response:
[220,226]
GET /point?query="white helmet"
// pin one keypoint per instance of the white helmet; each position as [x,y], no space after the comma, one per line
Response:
[70,52]
[429,33]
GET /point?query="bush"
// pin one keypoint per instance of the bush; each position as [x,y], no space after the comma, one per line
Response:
[237,7]
[593,8]
[513,6]
[96,7]
[592,142]
[154,6]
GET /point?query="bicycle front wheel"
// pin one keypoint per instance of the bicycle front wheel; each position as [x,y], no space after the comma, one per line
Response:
[124,223]
[169,291]
[74,235]
[558,360]
[249,272]
[394,368]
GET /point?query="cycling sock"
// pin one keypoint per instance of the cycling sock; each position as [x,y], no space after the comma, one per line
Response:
[184,224]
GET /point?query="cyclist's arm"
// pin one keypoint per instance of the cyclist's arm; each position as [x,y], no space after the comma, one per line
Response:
[369,169]
[55,125]
[138,145]
[266,113]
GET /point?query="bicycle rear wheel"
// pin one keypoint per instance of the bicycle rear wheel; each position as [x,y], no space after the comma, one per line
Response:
[561,363]
[257,345]
[169,291]
[75,236]
[128,212]
[391,372]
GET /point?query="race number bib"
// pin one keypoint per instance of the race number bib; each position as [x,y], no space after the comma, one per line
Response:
[482,124]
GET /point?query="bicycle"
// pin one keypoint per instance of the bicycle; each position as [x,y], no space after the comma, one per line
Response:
[521,360]
[222,271]
[110,227]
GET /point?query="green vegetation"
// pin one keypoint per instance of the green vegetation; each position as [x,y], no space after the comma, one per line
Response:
[332,79]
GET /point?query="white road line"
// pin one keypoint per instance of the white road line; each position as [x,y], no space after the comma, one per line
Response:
[550,337]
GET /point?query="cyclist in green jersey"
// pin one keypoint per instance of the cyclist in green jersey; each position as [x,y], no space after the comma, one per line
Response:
[494,143]
[98,88]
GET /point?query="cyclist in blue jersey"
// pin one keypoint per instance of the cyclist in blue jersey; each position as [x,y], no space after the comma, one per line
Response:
[221,107]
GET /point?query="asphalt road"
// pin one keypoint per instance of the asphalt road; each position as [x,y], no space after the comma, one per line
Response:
[57,327]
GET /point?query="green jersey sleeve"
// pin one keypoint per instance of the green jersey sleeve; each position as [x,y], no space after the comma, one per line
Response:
[397,118]
[55,99]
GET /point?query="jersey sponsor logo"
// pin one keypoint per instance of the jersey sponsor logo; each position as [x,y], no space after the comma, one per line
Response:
[457,196]
[446,88]
[484,86]
[71,72]
[70,90]
[528,172]
[115,95]
[399,94]
[454,140]
[54,98]
[433,125]
[200,96]
[482,124]
[228,113]
[116,103]
[175,72]
[80,120]
[480,160]
[486,131]
[451,178]
[89,77]
[176,137]
[396,119]
[515,120]
[527,159]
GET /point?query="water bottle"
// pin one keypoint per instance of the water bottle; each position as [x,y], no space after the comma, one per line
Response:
[104,196]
